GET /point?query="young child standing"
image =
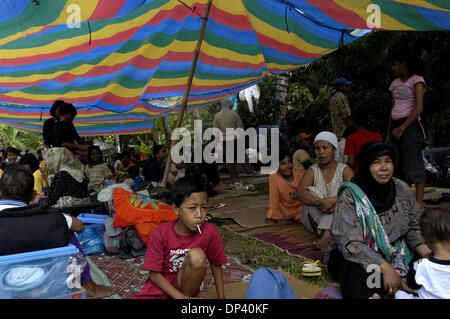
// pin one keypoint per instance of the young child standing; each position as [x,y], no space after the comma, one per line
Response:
[430,277]
[178,250]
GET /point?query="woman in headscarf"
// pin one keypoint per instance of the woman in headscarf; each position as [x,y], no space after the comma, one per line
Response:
[66,175]
[319,185]
[375,227]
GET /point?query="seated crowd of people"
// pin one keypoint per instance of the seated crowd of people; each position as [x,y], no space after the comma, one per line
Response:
[370,218]
[361,212]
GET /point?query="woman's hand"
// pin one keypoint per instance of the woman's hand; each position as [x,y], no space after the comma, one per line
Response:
[398,132]
[392,281]
[37,199]
[327,205]
[77,225]
[405,286]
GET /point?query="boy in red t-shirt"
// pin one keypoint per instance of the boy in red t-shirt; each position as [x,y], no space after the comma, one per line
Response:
[178,250]
[355,141]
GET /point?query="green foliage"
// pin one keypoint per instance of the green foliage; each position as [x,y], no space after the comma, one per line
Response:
[19,139]
[367,63]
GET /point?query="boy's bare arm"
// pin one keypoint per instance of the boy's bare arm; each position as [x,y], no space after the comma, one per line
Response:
[218,280]
[165,285]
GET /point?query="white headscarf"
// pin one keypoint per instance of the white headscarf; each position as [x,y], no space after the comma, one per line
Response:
[329,137]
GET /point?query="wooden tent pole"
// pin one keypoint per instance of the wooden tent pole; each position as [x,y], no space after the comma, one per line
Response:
[188,89]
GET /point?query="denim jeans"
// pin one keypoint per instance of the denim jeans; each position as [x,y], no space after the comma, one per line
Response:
[268,283]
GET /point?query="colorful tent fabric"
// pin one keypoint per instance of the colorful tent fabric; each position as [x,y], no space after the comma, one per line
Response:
[110,57]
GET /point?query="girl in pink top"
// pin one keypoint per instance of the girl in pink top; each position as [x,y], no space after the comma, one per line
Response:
[405,132]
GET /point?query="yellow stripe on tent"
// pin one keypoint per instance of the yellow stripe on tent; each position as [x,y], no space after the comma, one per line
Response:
[422,4]
[113,88]
[360,8]
[104,33]
[86,8]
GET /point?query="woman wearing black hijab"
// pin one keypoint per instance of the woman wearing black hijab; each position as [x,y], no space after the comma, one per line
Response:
[375,228]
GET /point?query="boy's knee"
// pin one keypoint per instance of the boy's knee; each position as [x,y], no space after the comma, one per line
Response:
[262,272]
[197,258]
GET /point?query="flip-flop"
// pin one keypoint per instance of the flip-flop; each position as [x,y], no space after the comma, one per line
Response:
[311,269]
[217,206]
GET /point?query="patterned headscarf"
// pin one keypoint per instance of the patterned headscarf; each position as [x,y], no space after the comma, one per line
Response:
[61,159]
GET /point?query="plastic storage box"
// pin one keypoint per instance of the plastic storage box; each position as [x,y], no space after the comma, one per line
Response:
[35,275]
[92,218]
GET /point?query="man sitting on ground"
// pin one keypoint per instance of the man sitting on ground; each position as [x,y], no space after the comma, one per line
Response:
[17,190]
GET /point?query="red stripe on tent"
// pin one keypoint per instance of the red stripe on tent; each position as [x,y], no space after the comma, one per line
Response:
[344,16]
[237,22]
[107,97]
[285,48]
[225,63]
[83,48]
[104,9]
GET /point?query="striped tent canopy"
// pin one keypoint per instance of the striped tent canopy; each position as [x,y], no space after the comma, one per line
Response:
[116,59]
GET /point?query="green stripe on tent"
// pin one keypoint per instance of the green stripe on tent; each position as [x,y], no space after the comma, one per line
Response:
[409,15]
[123,80]
[280,23]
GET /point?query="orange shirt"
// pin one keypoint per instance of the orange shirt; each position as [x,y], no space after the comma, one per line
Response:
[283,197]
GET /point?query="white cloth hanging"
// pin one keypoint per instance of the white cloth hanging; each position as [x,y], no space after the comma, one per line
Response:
[249,94]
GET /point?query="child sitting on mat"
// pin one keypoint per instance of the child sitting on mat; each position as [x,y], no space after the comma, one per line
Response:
[178,250]
[431,276]
[283,191]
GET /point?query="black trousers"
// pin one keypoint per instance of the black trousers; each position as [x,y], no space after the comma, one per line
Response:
[351,277]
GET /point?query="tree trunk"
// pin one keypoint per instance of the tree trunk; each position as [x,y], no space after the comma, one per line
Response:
[281,93]
[427,122]
[118,143]
[167,130]
[196,114]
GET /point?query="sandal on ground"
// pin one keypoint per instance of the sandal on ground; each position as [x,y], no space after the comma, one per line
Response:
[311,269]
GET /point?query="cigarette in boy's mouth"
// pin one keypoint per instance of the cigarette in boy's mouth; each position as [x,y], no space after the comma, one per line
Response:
[199,230]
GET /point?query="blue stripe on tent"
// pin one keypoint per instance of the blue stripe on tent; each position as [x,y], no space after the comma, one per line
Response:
[14,9]
[441,18]
[313,11]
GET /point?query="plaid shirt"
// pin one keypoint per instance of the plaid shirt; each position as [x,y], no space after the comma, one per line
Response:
[339,110]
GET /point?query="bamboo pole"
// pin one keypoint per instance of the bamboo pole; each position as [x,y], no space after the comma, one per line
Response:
[188,89]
